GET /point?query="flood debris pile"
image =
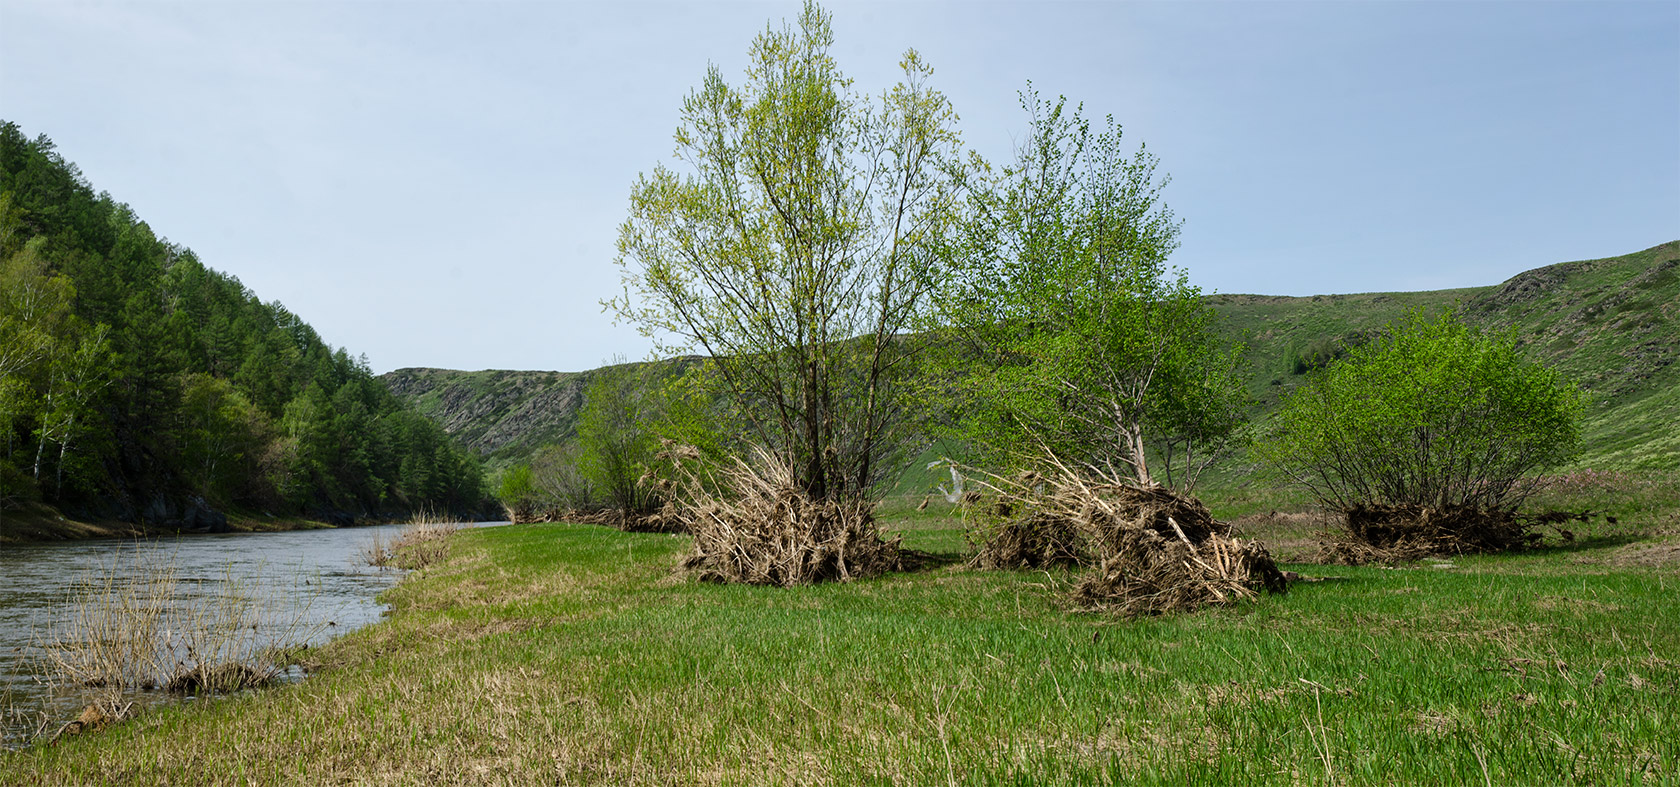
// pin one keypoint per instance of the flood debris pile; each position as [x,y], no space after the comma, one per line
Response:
[1387,533]
[1151,550]
[753,524]
[1032,539]
[630,522]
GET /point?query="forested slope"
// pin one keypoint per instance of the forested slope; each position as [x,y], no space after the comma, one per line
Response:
[138,384]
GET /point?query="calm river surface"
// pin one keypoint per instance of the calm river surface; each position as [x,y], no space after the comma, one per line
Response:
[312,581]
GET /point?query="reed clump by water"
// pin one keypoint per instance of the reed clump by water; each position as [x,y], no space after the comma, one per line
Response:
[126,627]
[424,542]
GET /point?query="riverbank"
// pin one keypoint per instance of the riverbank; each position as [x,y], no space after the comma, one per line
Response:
[36,522]
[575,654]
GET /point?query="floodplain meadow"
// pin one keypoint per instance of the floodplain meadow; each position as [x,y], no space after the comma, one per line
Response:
[577,654]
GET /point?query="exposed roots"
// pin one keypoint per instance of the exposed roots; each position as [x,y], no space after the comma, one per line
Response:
[1154,551]
[224,677]
[753,524]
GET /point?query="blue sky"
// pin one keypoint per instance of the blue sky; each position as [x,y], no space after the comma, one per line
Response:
[440,183]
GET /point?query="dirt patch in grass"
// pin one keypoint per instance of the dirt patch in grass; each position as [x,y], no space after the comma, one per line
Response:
[1638,555]
[1579,606]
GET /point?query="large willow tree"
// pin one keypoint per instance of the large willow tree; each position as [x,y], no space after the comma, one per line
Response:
[793,249]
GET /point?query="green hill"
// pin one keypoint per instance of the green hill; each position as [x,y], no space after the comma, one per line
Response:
[1611,324]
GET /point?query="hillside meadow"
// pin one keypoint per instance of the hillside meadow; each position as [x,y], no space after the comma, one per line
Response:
[577,654]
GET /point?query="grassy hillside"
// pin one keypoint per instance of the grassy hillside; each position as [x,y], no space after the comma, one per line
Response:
[1613,325]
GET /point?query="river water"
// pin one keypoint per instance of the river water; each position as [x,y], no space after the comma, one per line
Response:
[306,586]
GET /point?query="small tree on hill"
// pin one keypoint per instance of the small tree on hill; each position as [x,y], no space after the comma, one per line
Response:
[1435,415]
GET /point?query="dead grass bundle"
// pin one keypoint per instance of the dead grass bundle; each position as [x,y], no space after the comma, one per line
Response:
[1035,541]
[1154,551]
[130,627]
[655,522]
[424,542]
[753,524]
[1380,533]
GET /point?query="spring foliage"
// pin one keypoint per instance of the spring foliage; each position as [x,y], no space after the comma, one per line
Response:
[795,249]
[1083,344]
[1434,414]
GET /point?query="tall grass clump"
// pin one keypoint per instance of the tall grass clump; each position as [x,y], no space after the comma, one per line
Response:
[126,627]
[424,542]
[1429,438]
[114,632]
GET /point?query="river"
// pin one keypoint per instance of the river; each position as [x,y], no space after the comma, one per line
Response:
[307,585]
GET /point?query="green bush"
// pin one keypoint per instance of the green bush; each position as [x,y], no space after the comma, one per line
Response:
[1434,414]
[518,493]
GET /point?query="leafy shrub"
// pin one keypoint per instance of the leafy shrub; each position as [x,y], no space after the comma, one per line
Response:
[1433,415]
[1323,351]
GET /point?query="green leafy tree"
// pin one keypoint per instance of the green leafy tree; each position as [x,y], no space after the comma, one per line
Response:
[616,439]
[222,436]
[1079,340]
[796,248]
[518,492]
[1432,414]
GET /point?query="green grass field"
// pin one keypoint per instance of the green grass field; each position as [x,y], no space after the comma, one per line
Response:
[575,654]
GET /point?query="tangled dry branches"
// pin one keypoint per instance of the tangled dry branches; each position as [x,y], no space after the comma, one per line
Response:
[1154,551]
[752,523]
[1379,533]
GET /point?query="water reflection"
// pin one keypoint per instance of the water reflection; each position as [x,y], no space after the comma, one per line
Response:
[309,585]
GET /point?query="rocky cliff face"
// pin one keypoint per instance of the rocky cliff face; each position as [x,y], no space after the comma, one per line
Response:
[496,414]
[502,416]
